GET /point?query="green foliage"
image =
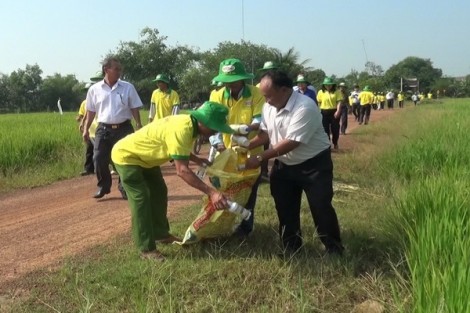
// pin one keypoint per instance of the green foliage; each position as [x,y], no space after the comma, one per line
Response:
[24,89]
[191,71]
[66,88]
[412,67]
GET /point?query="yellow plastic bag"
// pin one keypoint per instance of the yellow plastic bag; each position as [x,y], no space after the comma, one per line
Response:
[236,185]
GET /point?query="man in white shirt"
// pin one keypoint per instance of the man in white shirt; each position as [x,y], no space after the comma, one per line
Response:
[293,126]
[115,102]
[356,104]
[390,96]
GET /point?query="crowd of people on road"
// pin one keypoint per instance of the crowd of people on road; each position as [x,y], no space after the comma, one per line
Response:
[289,122]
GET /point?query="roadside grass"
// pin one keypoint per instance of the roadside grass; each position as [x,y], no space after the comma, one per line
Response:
[430,215]
[36,149]
[402,199]
[40,148]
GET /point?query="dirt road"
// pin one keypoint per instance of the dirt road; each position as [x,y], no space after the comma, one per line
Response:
[40,227]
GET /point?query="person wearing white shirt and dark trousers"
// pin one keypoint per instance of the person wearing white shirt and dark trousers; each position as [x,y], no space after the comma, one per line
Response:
[115,102]
[293,126]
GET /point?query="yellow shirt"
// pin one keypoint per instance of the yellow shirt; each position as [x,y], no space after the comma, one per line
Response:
[156,143]
[400,97]
[328,100]
[366,97]
[82,112]
[429,95]
[163,103]
[241,111]
[82,109]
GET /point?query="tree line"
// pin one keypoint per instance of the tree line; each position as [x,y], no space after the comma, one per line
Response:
[190,72]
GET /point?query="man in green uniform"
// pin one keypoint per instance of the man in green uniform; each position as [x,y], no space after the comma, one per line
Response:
[138,158]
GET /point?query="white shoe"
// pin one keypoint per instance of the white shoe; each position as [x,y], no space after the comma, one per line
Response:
[113,172]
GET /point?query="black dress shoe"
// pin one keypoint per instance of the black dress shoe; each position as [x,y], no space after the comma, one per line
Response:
[100,194]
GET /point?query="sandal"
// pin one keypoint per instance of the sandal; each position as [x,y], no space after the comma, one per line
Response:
[168,240]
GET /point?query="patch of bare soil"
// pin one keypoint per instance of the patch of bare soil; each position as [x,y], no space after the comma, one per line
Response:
[40,227]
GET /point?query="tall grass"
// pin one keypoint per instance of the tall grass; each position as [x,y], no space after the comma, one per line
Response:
[40,148]
[33,144]
[430,175]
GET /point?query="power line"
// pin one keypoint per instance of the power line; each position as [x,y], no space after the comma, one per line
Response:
[243,21]
[365,52]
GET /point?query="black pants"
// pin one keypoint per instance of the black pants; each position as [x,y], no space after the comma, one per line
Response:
[105,138]
[89,166]
[365,114]
[344,119]
[247,225]
[356,108]
[390,103]
[315,178]
[331,125]
[264,163]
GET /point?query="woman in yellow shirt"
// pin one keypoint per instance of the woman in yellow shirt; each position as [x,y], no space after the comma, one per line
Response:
[329,102]
[401,99]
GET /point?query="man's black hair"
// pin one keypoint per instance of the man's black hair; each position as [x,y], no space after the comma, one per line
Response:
[279,78]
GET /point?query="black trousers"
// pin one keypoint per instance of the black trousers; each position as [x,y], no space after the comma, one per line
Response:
[365,114]
[89,166]
[356,109]
[105,138]
[344,119]
[331,125]
[247,225]
[315,178]
[390,103]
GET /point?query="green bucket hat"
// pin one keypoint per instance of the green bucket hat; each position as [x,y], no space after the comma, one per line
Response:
[301,79]
[97,77]
[328,81]
[87,86]
[162,78]
[214,116]
[232,70]
[269,65]
[366,88]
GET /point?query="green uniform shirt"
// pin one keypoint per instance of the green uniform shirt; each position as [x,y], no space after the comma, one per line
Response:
[328,100]
[163,103]
[241,111]
[155,144]
[366,97]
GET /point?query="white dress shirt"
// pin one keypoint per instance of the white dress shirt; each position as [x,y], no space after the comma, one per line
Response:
[112,105]
[300,120]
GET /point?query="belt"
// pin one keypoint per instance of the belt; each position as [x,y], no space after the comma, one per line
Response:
[115,126]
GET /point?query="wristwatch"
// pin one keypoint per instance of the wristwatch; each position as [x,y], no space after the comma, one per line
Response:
[259,158]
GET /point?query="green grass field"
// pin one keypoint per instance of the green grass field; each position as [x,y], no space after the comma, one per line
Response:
[402,198]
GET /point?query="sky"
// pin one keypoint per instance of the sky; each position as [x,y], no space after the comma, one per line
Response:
[72,37]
